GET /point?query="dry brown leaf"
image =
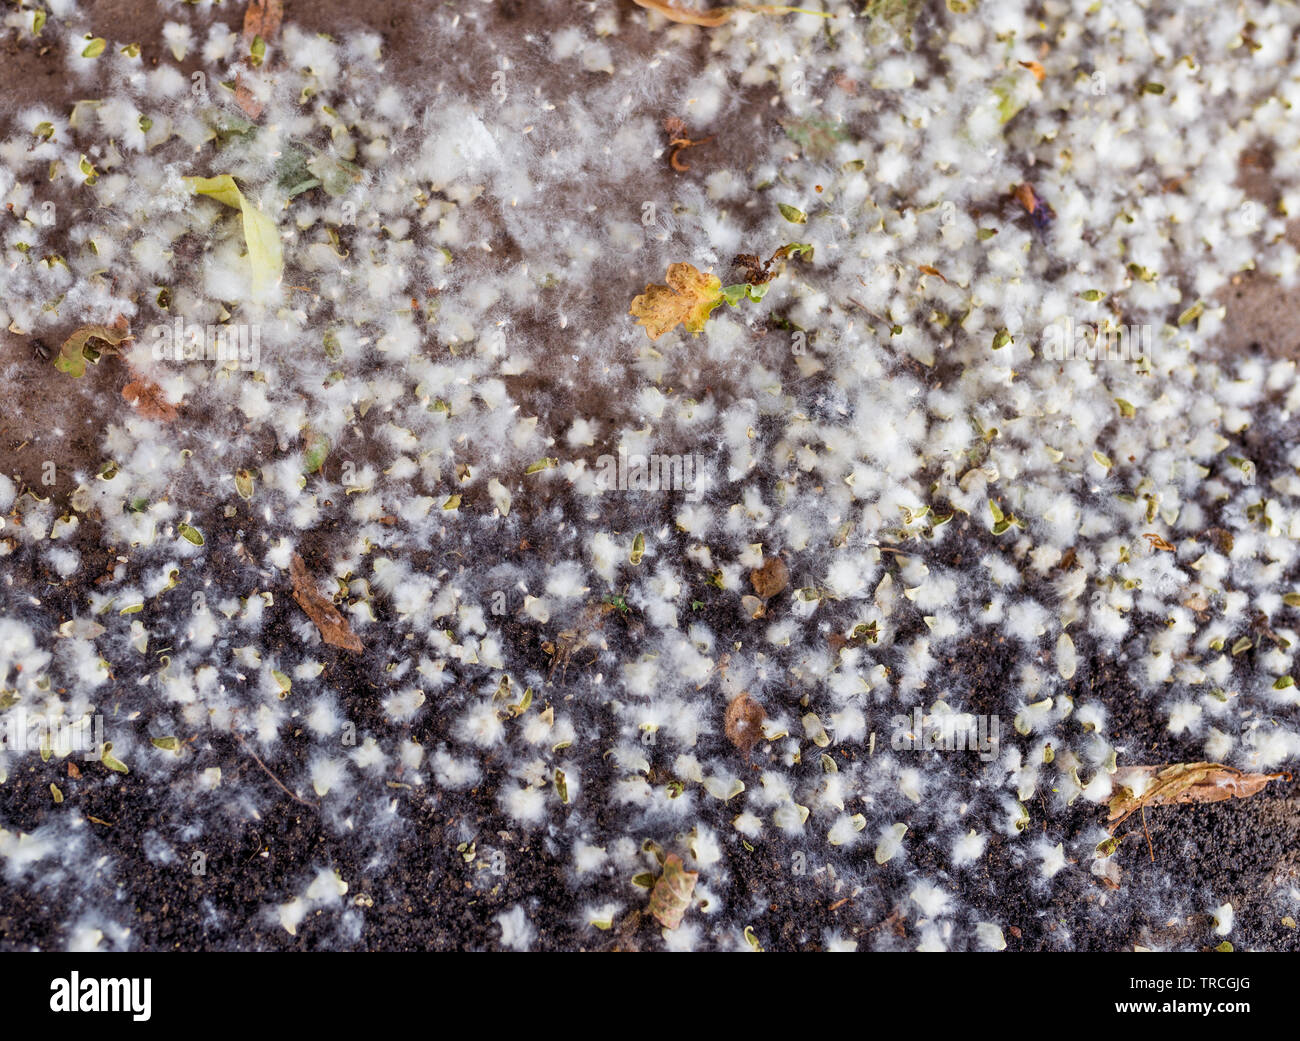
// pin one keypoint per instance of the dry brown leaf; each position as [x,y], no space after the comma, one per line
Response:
[743,723]
[671,895]
[1026,197]
[1185,782]
[262,18]
[147,398]
[245,100]
[689,298]
[771,578]
[333,627]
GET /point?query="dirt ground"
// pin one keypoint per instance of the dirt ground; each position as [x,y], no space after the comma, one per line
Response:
[425,898]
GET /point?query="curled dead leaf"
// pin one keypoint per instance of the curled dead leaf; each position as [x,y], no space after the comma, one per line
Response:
[671,896]
[1183,782]
[72,355]
[333,627]
[714,17]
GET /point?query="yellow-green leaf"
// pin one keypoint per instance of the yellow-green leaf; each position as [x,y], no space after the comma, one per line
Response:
[112,762]
[688,299]
[264,253]
[72,355]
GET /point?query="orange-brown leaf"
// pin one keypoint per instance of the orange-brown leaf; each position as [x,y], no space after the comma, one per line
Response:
[743,723]
[147,398]
[262,18]
[333,627]
[1185,782]
[771,578]
[245,100]
[1026,197]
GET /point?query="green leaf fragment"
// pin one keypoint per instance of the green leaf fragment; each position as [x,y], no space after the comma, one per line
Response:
[112,762]
[190,534]
[792,214]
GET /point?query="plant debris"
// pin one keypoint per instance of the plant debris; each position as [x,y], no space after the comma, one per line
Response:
[262,20]
[743,723]
[671,896]
[147,398]
[1185,782]
[688,299]
[260,235]
[680,142]
[691,296]
[76,349]
[716,16]
[771,578]
[333,627]
[1039,211]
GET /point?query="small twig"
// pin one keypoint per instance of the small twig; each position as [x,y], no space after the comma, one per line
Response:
[869,312]
[680,145]
[1150,848]
[279,783]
